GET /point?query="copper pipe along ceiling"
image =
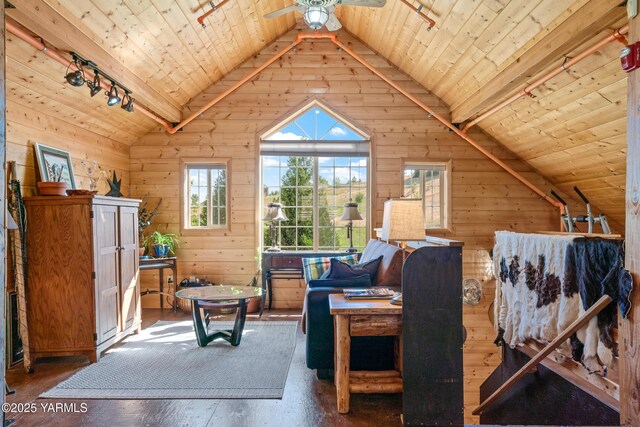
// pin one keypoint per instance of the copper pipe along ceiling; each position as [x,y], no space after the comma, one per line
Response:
[235,86]
[418,11]
[214,7]
[616,35]
[52,53]
[448,124]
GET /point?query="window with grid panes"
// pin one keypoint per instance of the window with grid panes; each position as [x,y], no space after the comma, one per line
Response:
[206,195]
[428,181]
[313,164]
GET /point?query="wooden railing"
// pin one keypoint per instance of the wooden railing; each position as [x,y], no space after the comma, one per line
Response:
[581,321]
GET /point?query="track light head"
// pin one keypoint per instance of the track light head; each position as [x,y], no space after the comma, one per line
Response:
[94,86]
[75,78]
[114,99]
[127,103]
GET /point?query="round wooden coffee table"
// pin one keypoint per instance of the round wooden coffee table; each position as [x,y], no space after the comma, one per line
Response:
[219,296]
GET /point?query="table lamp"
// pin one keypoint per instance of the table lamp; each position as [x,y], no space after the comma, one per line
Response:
[351,214]
[274,215]
[402,221]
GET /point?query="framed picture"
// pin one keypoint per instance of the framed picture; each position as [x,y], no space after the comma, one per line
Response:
[53,162]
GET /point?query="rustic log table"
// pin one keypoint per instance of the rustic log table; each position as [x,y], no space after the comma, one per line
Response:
[364,318]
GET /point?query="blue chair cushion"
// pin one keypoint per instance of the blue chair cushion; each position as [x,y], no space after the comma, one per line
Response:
[341,270]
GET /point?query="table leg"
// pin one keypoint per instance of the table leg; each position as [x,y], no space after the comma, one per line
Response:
[161,288]
[201,325]
[238,326]
[174,269]
[343,350]
[269,291]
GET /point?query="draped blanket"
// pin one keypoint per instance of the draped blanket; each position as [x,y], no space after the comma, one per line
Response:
[545,282]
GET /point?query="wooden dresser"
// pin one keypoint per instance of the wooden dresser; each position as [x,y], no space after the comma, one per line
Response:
[83,291]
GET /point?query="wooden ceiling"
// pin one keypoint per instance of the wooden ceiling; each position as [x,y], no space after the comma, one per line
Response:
[479,53]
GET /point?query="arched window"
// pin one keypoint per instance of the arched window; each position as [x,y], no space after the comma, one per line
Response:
[314,162]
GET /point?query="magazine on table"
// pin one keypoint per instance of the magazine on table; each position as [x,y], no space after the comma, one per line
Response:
[369,293]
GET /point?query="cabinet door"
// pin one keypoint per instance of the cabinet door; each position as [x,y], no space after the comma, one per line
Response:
[106,249]
[129,265]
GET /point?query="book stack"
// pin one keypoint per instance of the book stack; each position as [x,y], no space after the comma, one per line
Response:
[369,293]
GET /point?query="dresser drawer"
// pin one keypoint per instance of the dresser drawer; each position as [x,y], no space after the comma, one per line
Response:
[375,325]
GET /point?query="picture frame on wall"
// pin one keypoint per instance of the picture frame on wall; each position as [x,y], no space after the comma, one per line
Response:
[52,160]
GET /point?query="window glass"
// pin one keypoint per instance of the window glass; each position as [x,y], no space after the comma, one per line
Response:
[206,193]
[428,182]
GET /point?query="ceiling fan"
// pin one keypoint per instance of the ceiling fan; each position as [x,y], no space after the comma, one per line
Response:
[320,12]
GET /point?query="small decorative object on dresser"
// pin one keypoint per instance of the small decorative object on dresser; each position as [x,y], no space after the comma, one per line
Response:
[114,186]
[55,169]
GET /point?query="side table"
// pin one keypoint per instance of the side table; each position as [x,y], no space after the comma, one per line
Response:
[161,264]
[364,318]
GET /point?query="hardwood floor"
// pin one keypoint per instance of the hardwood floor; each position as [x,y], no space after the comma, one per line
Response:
[307,401]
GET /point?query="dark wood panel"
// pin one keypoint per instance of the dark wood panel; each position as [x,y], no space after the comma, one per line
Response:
[433,337]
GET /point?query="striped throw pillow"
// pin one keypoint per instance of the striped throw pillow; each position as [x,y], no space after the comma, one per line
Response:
[314,267]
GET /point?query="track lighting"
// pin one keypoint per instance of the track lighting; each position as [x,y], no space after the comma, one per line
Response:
[113,95]
[94,86]
[76,78]
[127,103]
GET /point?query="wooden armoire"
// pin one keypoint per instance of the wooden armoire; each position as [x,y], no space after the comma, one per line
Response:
[83,291]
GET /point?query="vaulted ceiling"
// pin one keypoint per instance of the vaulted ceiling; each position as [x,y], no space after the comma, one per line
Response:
[480,52]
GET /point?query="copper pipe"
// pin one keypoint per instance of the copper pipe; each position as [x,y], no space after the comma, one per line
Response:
[234,87]
[448,124]
[214,7]
[52,53]
[418,11]
[616,35]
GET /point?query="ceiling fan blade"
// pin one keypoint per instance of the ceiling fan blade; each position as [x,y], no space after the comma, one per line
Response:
[367,3]
[282,11]
[332,23]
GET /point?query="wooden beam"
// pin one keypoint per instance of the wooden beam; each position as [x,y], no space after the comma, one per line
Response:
[3,186]
[68,33]
[586,22]
[630,327]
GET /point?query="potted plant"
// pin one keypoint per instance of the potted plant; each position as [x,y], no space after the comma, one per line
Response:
[144,220]
[55,186]
[163,244]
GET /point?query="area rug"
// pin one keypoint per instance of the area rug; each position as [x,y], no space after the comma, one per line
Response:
[164,361]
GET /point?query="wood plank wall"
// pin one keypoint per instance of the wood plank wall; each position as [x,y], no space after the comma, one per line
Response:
[484,198]
[43,108]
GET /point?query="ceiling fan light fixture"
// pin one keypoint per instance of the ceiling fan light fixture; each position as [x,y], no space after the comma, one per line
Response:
[113,96]
[316,17]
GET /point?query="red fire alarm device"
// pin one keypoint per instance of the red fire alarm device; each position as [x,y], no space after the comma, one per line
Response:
[629,58]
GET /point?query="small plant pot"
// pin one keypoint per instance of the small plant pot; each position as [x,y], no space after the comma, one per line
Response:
[49,188]
[140,251]
[253,305]
[161,250]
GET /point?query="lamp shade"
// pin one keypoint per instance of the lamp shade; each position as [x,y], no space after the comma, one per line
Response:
[351,212]
[316,17]
[403,220]
[275,213]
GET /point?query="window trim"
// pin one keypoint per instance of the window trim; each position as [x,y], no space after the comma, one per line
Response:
[447,189]
[185,229]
